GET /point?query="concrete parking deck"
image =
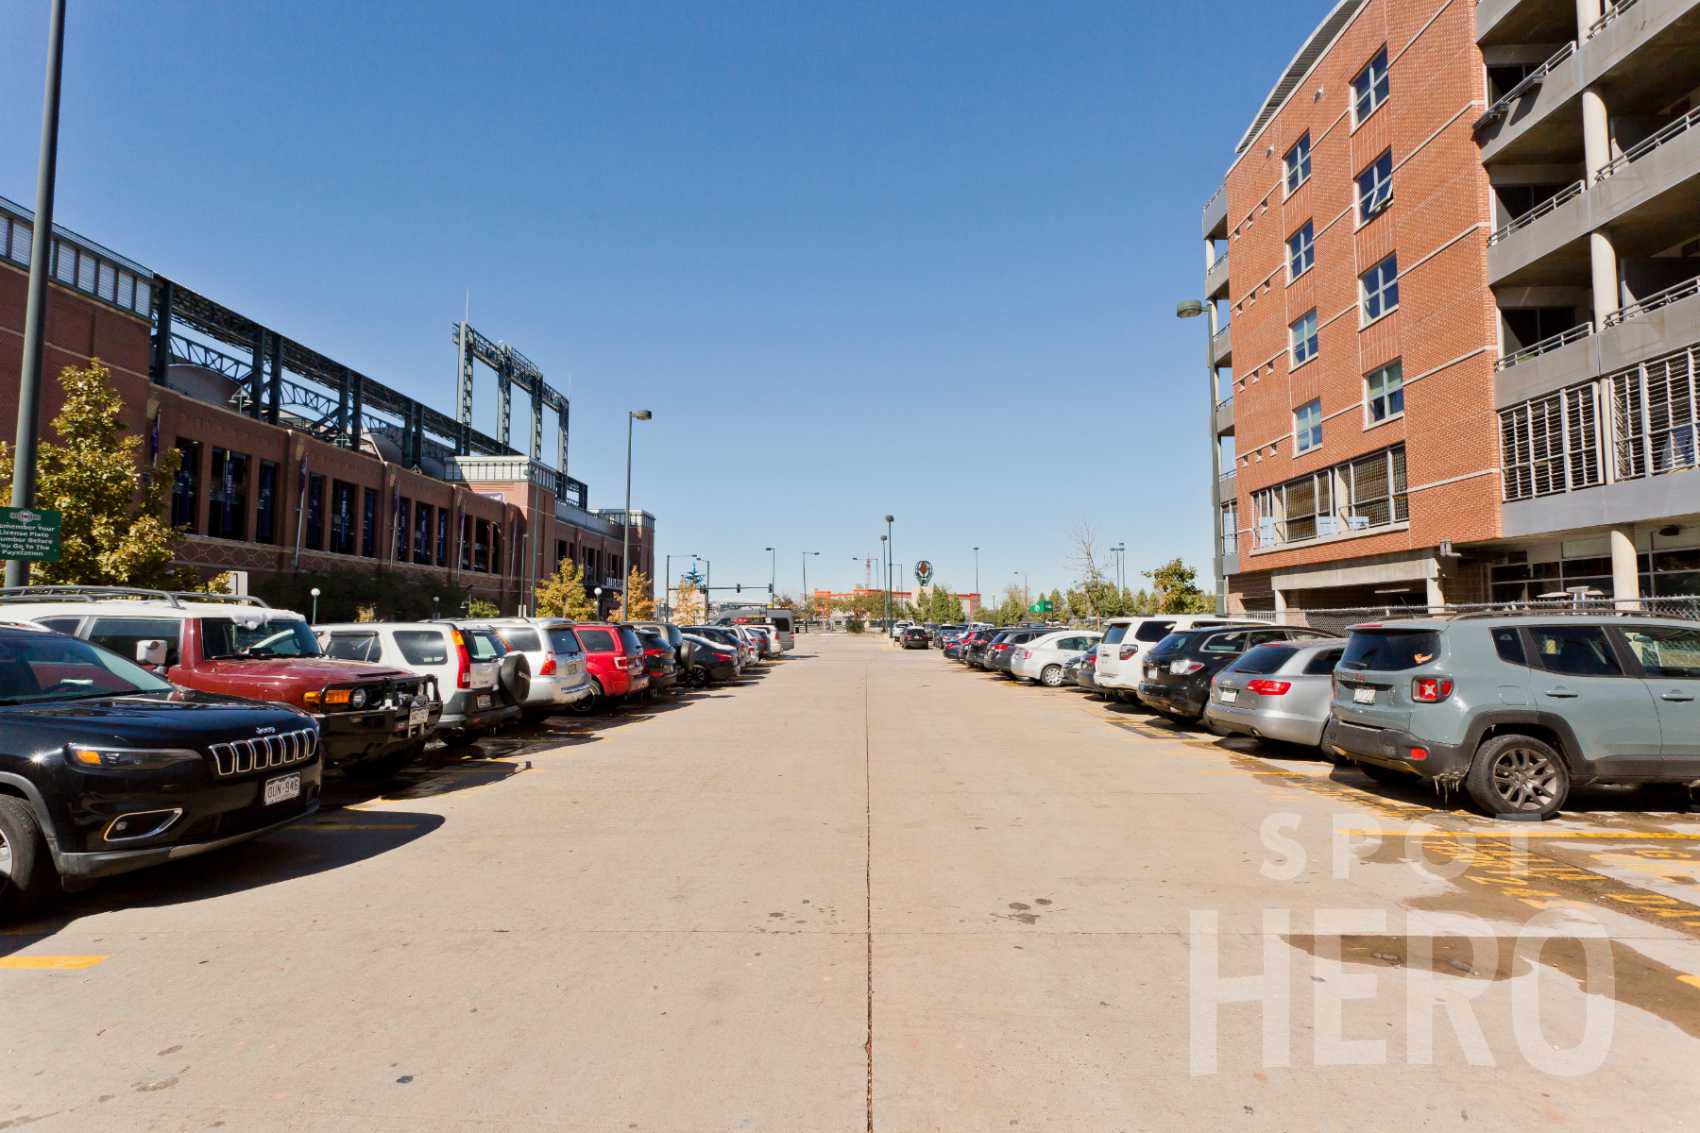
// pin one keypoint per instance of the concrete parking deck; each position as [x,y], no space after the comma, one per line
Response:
[872,889]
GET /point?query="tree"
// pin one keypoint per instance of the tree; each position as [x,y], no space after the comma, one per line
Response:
[562,595]
[1177,590]
[113,529]
[638,596]
[688,604]
[482,608]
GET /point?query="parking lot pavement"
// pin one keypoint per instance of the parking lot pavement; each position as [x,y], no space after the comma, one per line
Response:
[870,886]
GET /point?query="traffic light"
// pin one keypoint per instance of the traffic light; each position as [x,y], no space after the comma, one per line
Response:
[739,588]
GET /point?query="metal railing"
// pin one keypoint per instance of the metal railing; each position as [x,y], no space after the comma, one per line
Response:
[1528,83]
[1211,203]
[1552,204]
[1339,619]
[1648,144]
[1545,346]
[77,262]
[1613,11]
[1684,290]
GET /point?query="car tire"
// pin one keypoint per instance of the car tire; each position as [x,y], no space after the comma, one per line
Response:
[1051,676]
[593,702]
[1518,776]
[27,876]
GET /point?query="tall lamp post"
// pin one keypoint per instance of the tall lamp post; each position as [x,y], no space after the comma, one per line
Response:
[314,620]
[1120,551]
[890,550]
[632,416]
[772,571]
[35,306]
[1192,309]
[808,597]
[1026,599]
[885,583]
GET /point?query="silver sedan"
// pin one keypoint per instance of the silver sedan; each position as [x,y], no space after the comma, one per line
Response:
[1279,691]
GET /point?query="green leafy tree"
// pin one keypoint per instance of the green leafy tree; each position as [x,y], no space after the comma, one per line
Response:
[1177,590]
[112,519]
[482,608]
[562,595]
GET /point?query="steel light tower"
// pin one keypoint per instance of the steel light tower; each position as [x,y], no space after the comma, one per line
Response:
[890,548]
[807,596]
[632,416]
[772,571]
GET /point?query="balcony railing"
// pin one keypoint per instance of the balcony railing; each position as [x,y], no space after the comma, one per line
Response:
[1613,11]
[1648,144]
[1552,204]
[1209,204]
[1684,290]
[1533,79]
[1545,346]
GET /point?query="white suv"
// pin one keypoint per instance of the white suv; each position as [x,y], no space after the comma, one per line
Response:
[558,676]
[1118,669]
[465,662]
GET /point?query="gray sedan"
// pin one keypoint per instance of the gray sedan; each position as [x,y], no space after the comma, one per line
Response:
[1279,691]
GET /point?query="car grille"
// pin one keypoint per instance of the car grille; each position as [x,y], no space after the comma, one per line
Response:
[262,753]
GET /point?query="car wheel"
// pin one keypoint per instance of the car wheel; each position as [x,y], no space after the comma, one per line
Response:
[26,867]
[1516,776]
[593,702]
[1051,677]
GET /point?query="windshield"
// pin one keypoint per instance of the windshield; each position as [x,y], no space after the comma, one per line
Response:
[1263,659]
[49,667]
[226,639]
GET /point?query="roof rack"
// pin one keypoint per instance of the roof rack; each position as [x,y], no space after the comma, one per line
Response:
[1551,612]
[213,596]
[58,593]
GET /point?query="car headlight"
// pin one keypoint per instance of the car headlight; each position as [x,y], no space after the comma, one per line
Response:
[128,759]
[357,699]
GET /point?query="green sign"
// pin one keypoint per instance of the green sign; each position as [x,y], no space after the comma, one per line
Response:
[29,534]
[1042,606]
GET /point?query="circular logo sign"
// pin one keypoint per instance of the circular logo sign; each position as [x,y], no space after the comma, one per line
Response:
[923,572]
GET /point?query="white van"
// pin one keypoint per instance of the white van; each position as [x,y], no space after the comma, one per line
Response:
[1125,639]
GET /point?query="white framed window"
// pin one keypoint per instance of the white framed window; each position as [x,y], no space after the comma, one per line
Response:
[1379,287]
[1369,89]
[1301,250]
[1302,339]
[1375,187]
[1384,393]
[1298,163]
[1307,426]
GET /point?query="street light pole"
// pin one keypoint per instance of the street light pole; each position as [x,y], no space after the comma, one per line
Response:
[808,597]
[632,416]
[890,549]
[885,583]
[1192,309]
[772,571]
[35,307]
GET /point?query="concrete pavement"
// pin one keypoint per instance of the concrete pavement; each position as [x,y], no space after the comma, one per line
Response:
[873,888]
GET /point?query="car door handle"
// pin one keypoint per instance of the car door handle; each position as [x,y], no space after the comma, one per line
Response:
[1673,694]
[1563,693]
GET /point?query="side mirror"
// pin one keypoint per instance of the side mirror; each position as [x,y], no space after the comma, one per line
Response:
[151,653]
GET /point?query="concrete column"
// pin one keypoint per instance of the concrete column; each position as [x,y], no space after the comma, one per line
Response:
[1602,258]
[1587,11]
[1625,570]
[1596,150]
[1436,594]
[1280,606]
[1596,132]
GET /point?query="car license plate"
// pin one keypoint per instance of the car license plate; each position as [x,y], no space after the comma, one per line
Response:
[1363,695]
[1151,671]
[484,700]
[1228,695]
[418,718]
[281,789]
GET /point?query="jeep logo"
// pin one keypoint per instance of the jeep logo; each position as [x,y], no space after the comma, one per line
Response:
[264,731]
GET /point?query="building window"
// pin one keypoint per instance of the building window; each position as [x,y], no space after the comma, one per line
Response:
[442,536]
[1375,187]
[1303,340]
[1550,444]
[1385,393]
[342,517]
[1307,426]
[422,533]
[369,522]
[316,512]
[1654,419]
[227,517]
[186,488]
[1359,495]
[265,504]
[496,564]
[1298,163]
[403,511]
[481,546]
[1380,288]
[1370,88]
[1231,528]
[1301,251]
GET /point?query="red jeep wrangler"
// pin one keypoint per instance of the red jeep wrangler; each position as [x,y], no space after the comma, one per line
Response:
[369,714]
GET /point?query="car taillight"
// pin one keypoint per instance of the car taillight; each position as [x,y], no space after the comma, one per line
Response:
[1023,654]
[547,669]
[1000,645]
[1269,688]
[1127,652]
[1431,690]
[723,658]
[1185,668]
[463,675]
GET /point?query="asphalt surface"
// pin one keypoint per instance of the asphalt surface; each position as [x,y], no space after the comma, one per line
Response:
[871,889]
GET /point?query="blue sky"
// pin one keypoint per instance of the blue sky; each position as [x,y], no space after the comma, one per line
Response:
[857,258]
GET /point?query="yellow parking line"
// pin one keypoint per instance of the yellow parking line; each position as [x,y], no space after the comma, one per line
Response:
[48,963]
[1597,835]
[1691,981]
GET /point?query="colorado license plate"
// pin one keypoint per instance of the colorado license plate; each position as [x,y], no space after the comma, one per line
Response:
[418,718]
[281,789]
[484,700]
[1228,695]
[1363,695]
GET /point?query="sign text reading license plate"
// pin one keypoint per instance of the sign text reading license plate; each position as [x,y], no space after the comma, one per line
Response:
[281,789]
[1363,695]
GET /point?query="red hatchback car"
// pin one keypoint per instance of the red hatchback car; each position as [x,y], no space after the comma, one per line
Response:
[613,656]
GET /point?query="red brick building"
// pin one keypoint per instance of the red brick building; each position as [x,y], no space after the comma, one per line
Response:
[303,489]
[1375,346]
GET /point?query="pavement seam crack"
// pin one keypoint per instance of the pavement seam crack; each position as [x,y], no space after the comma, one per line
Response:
[868,879]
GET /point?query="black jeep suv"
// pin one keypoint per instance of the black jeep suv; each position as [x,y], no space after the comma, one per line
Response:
[105,768]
